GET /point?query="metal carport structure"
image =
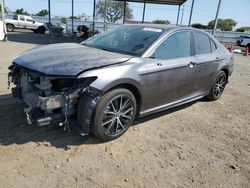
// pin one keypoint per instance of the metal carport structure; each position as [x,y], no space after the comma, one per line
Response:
[166,2]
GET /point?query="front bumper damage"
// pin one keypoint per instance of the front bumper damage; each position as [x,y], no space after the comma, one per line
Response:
[52,99]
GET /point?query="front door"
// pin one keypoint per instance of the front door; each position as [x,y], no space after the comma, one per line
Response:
[170,71]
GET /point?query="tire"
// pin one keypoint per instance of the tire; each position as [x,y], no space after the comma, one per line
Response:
[41,30]
[114,113]
[35,30]
[10,27]
[248,45]
[218,86]
[238,43]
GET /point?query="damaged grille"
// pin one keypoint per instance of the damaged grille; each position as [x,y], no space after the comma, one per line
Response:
[49,95]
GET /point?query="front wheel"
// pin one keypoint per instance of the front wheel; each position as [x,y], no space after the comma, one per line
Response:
[114,113]
[10,27]
[218,86]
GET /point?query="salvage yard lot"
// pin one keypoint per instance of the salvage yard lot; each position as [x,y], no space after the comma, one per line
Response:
[202,144]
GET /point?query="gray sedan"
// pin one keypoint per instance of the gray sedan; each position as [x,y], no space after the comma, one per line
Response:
[107,81]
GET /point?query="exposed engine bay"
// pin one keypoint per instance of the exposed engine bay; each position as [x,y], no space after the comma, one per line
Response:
[51,99]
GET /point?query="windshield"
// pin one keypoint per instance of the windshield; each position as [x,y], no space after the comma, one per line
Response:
[132,40]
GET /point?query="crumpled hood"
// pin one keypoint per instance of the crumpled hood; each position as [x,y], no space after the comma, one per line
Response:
[67,59]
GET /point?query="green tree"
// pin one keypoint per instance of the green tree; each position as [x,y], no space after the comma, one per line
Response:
[243,29]
[199,26]
[114,10]
[74,17]
[63,20]
[6,10]
[161,22]
[223,24]
[42,13]
[21,12]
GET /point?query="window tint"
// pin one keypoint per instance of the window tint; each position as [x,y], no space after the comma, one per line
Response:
[29,20]
[176,46]
[202,43]
[213,46]
[21,18]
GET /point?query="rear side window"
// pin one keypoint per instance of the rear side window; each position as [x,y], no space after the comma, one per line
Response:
[29,20]
[213,46]
[22,18]
[176,46]
[202,43]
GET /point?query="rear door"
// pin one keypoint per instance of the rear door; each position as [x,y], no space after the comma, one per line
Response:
[170,71]
[207,60]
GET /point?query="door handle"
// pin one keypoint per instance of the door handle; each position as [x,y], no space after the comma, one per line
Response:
[192,64]
[217,59]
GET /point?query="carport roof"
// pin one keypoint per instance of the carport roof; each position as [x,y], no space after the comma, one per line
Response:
[167,2]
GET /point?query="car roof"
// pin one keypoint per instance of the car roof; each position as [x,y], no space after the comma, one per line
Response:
[165,27]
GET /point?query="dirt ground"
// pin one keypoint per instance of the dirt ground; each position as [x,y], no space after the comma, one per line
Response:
[203,144]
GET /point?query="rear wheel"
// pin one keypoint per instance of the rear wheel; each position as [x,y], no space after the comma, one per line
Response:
[114,113]
[10,27]
[248,48]
[41,30]
[35,30]
[218,86]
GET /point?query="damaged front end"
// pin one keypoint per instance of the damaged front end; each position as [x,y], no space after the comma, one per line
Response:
[50,98]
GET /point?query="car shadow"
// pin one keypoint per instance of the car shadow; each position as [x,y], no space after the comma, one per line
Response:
[40,39]
[14,129]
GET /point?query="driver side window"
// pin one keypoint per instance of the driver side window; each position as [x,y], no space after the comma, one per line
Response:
[176,46]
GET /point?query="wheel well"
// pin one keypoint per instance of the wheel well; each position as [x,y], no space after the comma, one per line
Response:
[226,71]
[135,92]
[10,24]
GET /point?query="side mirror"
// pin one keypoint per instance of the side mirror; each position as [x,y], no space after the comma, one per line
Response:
[34,21]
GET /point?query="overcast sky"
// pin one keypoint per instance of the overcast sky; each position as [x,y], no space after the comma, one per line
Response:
[204,10]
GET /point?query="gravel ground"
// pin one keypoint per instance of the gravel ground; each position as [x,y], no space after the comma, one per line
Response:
[202,144]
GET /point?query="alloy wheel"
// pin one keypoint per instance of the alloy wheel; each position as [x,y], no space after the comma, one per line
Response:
[118,115]
[219,85]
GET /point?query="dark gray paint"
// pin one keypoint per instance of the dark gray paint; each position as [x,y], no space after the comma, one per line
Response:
[162,84]
[67,59]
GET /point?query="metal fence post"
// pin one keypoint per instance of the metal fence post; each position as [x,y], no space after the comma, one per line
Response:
[144,7]
[178,15]
[216,17]
[191,13]
[72,18]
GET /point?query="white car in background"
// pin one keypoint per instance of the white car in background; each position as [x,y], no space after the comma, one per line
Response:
[243,40]
[24,22]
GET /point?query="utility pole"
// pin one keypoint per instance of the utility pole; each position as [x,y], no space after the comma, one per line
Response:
[3,9]
[105,15]
[216,17]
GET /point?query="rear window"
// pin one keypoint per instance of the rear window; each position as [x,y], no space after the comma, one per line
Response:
[202,43]
[22,18]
